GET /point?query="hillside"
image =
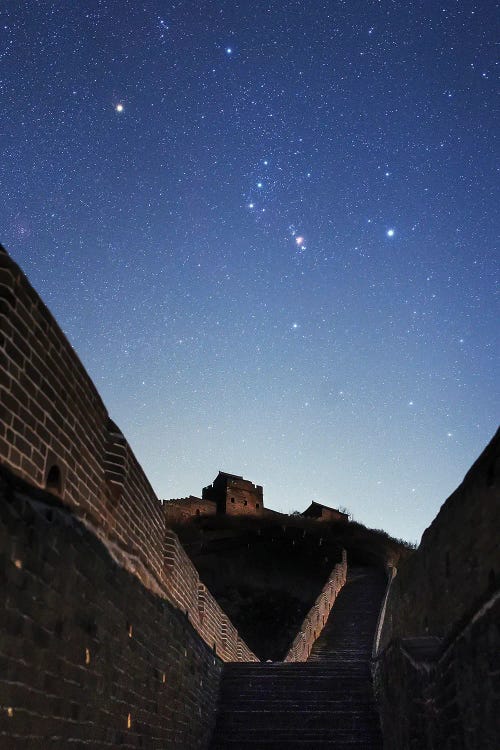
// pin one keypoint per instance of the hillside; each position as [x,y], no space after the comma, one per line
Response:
[267,572]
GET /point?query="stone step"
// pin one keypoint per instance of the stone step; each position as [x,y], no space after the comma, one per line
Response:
[296,744]
[269,681]
[249,735]
[326,702]
[277,721]
[364,693]
[303,703]
[282,667]
[296,694]
[343,668]
[305,684]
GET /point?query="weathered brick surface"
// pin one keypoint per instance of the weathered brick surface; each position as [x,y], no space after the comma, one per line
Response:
[184,508]
[235,496]
[190,595]
[83,645]
[451,701]
[51,415]
[317,616]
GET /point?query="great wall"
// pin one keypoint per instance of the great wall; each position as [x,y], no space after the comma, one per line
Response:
[108,637]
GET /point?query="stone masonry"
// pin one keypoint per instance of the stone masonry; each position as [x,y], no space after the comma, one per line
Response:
[89,657]
[234,495]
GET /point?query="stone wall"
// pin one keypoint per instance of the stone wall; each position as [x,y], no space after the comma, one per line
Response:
[324,513]
[55,433]
[183,508]
[89,657]
[457,562]
[437,669]
[191,595]
[317,616]
[443,696]
[234,495]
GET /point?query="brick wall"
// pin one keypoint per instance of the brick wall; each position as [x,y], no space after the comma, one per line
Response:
[317,616]
[235,496]
[50,410]
[184,508]
[244,498]
[52,416]
[457,560]
[437,668]
[449,698]
[192,597]
[89,657]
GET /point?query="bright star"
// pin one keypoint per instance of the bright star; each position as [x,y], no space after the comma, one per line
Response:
[251,205]
[295,325]
[259,184]
[119,108]
[390,232]
[228,50]
[299,241]
[266,163]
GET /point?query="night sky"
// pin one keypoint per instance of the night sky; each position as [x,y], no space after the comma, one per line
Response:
[269,230]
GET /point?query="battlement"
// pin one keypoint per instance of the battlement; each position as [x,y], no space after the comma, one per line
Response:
[324,513]
[56,434]
[231,494]
[183,508]
[234,495]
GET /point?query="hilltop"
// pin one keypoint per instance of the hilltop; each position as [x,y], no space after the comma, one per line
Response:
[267,571]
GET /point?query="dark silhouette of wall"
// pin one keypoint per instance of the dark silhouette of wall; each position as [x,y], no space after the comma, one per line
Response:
[457,561]
[324,513]
[439,659]
[89,657]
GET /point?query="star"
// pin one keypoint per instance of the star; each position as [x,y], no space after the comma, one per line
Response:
[259,185]
[299,241]
[119,108]
[390,232]
[229,51]
[251,205]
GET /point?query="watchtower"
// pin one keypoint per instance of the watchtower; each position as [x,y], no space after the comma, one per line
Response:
[235,495]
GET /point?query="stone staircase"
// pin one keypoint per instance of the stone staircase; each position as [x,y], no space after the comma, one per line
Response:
[326,702]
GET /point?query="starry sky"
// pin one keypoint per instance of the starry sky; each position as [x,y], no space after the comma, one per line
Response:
[269,231]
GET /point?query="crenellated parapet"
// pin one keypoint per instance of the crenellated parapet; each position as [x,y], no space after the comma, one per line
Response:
[317,616]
